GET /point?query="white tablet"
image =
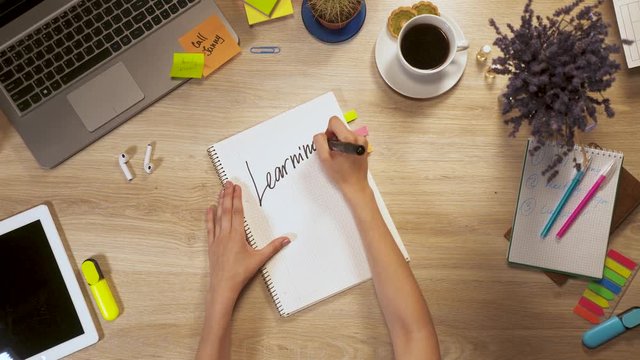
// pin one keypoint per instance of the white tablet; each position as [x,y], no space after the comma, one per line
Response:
[43,315]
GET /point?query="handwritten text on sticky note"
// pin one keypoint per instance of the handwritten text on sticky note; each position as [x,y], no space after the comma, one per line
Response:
[187,65]
[212,39]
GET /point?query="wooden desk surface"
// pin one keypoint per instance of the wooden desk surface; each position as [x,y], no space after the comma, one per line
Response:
[445,166]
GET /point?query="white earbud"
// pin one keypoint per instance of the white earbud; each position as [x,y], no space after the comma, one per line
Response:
[148,166]
[123,160]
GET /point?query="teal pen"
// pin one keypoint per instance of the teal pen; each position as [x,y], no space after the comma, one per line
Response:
[567,194]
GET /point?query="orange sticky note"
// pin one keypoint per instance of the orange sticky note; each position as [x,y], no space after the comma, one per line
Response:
[213,39]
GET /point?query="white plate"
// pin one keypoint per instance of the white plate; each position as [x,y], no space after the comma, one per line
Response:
[414,85]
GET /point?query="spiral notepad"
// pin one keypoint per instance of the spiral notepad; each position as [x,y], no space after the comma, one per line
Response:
[286,192]
[581,251]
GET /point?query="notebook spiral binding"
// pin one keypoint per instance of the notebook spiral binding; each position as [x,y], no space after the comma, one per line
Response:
[222,174]
[217,164]
[597,149]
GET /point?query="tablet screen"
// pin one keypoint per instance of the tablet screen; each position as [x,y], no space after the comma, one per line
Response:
[36,311]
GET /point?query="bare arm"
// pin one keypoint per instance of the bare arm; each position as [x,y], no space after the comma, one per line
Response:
[405,311]
[232,263]
[215,341]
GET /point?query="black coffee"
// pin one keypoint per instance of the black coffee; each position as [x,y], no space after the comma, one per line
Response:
[425,46]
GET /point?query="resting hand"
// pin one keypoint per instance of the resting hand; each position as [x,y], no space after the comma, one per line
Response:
[232,261]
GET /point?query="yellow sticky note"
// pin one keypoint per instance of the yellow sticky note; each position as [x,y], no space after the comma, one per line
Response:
[350,115]
[212,39]
[283,8]
[187,65]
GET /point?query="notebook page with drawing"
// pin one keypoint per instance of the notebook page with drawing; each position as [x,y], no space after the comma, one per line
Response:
[286,192]
[628,17]
[581,251]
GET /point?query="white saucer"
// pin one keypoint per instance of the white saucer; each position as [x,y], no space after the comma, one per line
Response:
[414,85]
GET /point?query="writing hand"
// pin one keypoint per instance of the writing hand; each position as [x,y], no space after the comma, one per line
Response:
[232,261]
[348,172]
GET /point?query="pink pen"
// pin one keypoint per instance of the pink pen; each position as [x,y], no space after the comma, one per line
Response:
[583,204]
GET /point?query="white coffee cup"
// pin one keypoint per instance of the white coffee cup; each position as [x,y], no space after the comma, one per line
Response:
[455,43]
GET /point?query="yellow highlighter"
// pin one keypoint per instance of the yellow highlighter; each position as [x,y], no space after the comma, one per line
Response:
[100,290]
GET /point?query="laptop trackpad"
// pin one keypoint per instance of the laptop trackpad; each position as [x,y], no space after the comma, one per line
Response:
[105,96]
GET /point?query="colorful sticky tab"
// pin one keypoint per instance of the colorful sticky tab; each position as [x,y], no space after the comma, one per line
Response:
[623,271]
[600,295]
[187,65]
[586,314]
[621,259]
[350,115]
[602,302]
[591,306]
[601,290]
[212,39]
[614,276]
[362,131]
[610,285]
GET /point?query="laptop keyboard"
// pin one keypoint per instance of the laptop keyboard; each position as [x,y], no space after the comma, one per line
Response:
[49,58]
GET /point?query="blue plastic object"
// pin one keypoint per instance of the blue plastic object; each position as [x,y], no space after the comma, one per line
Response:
[332,36]
[631,318]
[603,332]
[611,328]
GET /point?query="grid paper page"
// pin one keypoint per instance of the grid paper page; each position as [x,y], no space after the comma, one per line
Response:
[582,250]
[326,254]
[628,16]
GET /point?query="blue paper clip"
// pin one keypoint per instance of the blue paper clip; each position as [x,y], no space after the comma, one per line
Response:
[265,50]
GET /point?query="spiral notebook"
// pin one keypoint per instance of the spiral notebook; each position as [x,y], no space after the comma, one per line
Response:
[582,250]
[286,192]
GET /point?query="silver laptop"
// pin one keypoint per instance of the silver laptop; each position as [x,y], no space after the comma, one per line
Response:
[71,71]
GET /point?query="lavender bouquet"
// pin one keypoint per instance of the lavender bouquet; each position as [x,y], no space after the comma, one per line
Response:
[558,69]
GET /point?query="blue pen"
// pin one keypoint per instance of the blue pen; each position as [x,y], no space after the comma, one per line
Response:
[567,194]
